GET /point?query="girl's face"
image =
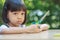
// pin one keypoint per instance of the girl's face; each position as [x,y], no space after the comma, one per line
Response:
[16,18]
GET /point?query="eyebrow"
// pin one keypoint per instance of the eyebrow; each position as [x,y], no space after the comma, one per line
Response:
[18,12]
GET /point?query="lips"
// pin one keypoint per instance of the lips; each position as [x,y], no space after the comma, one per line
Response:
[19,22]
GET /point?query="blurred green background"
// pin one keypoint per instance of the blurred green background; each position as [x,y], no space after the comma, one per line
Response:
[37,8]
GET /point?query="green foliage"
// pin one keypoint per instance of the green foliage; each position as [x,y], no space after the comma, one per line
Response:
[44,5]
[3,1]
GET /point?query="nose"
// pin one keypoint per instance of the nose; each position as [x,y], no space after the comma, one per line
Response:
[19,17]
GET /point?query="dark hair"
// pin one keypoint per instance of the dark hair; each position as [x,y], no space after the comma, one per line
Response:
[12,5]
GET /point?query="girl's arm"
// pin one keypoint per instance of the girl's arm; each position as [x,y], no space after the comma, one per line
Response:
[31,29]
[12,30]
[17,30]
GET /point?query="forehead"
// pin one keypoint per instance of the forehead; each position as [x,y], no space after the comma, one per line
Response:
[18,11]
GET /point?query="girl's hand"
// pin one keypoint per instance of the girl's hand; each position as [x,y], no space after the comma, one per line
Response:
[44,27]
[38,28]
[33,29]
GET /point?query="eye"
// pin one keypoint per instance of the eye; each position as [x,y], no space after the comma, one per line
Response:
[14,13]
[22,13]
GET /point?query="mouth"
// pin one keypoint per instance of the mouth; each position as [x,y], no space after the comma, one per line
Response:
[19,22]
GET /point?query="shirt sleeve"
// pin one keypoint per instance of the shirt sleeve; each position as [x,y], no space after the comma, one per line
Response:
[2,27]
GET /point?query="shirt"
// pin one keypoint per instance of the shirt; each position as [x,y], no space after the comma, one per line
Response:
[6,27]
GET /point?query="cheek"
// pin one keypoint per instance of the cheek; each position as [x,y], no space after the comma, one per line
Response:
[12,19]
[23,18]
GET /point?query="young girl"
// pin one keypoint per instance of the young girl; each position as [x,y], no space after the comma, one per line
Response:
[14,17]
